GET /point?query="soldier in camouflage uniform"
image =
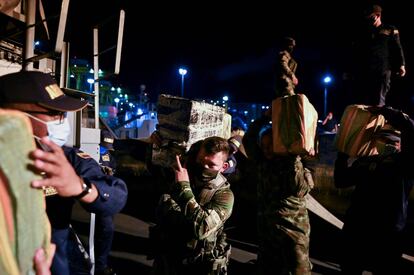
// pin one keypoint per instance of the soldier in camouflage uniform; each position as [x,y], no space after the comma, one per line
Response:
[283,222]
[286,80]
[190,219]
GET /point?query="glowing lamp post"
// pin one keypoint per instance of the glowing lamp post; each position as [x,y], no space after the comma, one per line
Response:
[182,72]
[326,80]
[116,102]
[90,81]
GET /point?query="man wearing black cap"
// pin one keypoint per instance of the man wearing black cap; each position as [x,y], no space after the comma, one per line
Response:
[378,55]
[106,160]
[377,217]
[69,174]
[104,223]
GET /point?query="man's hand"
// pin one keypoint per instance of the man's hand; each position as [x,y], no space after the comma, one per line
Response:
[41,263]
[402,71]
[59,173]
[181,174]
[295,80]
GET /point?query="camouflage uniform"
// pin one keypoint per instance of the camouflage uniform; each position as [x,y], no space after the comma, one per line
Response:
[283,221]
[285,71]
[190,229]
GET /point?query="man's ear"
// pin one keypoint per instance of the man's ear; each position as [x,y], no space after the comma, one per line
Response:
[225,166]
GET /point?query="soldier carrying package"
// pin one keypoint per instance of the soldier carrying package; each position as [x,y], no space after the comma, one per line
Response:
[189,236]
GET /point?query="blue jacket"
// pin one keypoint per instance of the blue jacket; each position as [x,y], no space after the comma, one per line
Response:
[111,199]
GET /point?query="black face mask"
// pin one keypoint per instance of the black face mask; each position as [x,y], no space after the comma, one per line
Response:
[204,174]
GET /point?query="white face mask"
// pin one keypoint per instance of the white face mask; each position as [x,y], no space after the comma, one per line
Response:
[58,131]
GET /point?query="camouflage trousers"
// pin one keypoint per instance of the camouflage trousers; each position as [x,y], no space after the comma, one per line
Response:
[281,254]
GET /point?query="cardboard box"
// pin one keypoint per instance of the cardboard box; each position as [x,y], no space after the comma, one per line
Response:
[294,121]
[356,130]
[182,122]
[188,121]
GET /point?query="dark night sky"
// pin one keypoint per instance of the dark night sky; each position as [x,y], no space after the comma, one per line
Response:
[229,48]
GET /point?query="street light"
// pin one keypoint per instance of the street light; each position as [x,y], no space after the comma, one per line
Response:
[90,81]
[326,80]
[182,72]
[116,102]
[225,101]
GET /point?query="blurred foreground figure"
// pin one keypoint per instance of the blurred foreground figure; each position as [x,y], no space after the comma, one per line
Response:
[68,174]
[374,223]
[24,226]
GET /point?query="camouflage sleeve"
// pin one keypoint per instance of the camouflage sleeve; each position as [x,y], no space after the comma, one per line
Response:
[168,213]
[284,64]
[303,181]
[208,219]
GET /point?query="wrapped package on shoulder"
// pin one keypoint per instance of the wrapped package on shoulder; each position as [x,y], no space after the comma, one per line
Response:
[226,126]
[182,122]
[294,121]
[24,225]
[356,131]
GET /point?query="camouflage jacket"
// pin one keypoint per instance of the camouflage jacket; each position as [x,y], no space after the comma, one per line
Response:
[285,70]
[287,65]
[194,218]
[282,184]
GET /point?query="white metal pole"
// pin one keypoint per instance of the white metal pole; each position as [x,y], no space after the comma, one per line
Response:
[30,34]
[182,85]
[64,65]
[96,74]
[119,41]
[325,101]
[62,25]
[96,89]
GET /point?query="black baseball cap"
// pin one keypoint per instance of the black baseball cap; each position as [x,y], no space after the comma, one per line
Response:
[37,88]
[107,140]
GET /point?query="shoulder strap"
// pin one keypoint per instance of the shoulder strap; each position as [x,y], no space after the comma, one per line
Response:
[209,190]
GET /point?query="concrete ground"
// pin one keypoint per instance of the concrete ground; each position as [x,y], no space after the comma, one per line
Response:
[131,245]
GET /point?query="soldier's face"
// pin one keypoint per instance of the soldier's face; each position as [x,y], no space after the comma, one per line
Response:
[214,162]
